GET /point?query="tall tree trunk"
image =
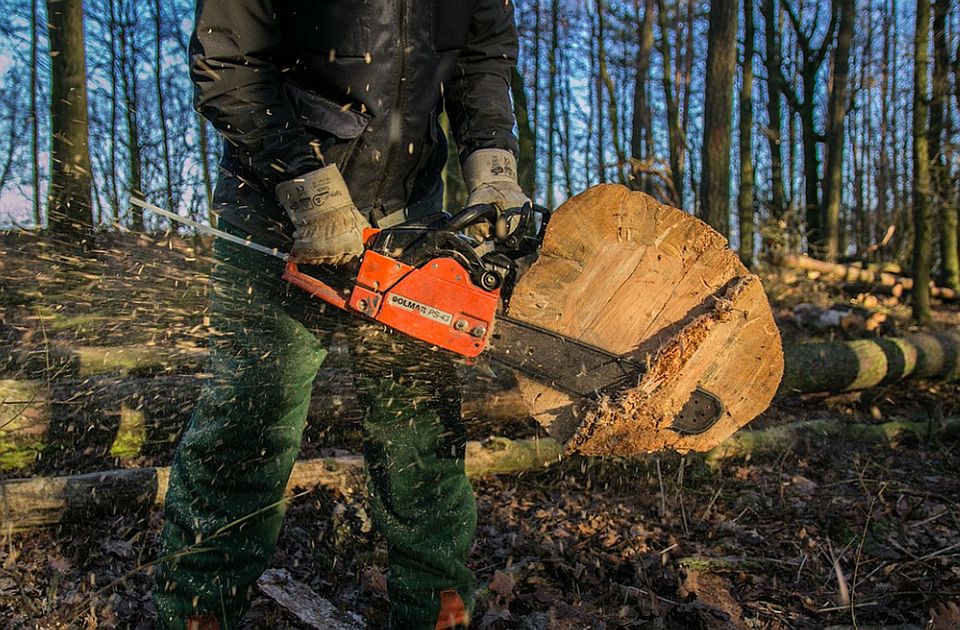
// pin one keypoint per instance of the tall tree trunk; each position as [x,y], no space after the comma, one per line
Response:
[70,205]
[922,211]
[641,142]
[676,140]
[683,96]
[778,197]
[833,175]
[939,125]
[527,164]
[536,82]
[745,196]
[552,100]
[158,81]
[612,111]
[34,118]
[598,93]
[567,155]
[128,73]
[883,179]
[112,176]
[717,113]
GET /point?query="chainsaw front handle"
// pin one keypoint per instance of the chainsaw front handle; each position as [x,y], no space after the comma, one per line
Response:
[316,288]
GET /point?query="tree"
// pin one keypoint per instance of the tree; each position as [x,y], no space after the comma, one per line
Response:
[745,196]
[674,130]
[552,100]
[778,196]
[641,143]
[70,200]
[718,110]
[34,118]
[838,101]
[922,211]
[939,124]
[810,60]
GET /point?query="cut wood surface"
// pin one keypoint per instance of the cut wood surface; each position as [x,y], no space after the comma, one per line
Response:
[622,272]
[39,501]
[852,273]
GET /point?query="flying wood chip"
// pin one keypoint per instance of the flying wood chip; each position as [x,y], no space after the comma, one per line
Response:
[626,274]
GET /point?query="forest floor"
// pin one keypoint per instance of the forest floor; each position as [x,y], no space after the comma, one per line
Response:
[825,534]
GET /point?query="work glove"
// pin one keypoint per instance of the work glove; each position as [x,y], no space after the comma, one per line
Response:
[329,228]
[491,177]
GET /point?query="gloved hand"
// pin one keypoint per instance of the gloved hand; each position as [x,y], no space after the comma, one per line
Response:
[329,228]
[491,177]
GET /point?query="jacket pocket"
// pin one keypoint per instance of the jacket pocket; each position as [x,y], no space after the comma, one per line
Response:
[451,22]
[324,117]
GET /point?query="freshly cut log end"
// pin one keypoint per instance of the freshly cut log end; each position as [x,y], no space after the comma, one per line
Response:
[624,273]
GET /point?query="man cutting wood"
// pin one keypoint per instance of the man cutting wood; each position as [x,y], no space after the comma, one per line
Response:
[329,115]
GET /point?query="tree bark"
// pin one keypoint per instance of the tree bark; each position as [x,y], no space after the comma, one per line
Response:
[34,118]
[745,195]
[598,94]
[205,167]
[552,101]
[749,443]
[38,501]
[718,106]
[922,211]
[939,126]
[131,102]
[851,273]
[837,113]
[161,107]
[778,197]
[527,163]
[864,363]
[641,143]
[612,111]
[70,197]
[676,141]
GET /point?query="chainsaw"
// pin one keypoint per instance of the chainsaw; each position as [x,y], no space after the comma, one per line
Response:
[430,281]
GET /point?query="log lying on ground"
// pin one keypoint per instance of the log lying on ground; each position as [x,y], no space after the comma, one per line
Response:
[39,501]
[851,365]
[26,503]
[624,273]
[58,361]
[851,273]
[116,418]
[860,288]
[786,436]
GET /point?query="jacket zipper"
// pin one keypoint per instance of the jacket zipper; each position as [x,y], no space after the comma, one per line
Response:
[395,114]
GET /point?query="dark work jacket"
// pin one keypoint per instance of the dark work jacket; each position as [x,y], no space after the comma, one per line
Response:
[294,84]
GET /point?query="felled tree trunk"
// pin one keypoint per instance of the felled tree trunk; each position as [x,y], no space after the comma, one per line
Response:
[39,501]
[786,436]
[853,365]
[624,273]
[851,273]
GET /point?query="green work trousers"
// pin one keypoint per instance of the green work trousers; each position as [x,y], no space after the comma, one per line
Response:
[224,506]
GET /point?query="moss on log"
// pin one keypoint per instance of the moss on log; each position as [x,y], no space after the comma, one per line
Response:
[784,437]
[864,363]
[37,501]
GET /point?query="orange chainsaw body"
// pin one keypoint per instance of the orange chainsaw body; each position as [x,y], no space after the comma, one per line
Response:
[436,303]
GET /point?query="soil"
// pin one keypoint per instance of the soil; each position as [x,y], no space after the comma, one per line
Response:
[824,535]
